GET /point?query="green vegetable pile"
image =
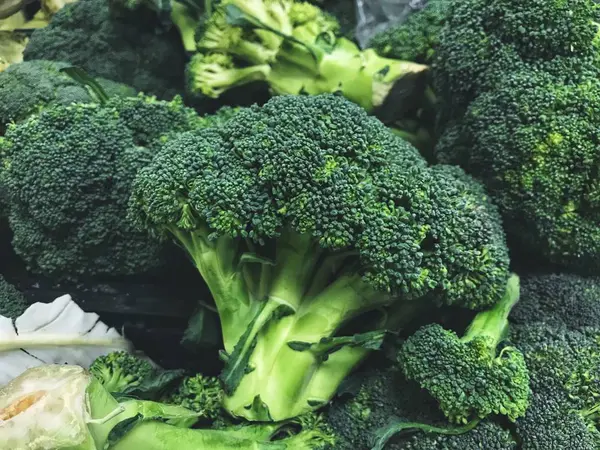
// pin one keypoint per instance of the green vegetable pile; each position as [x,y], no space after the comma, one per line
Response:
[398,243]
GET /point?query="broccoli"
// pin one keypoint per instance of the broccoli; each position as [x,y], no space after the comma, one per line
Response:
[417,38]
[118,371]
[294,47]
[199,393]
[85,415]
[559,299]
[565,368]
[67,209]
[132,51]
[344,12]
[315,228]
[27,87]
[12,302]
[467,374]
[518,87]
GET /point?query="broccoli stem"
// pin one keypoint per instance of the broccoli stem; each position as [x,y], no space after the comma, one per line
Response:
[185,22]
[493,323]
[213,79]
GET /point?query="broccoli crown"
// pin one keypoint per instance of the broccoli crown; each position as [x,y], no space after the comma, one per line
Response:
[302,215]
[120,370]
[565,368]
[466,374]
[417,38]
[67,209]
[12,302]
[533,141]
[482,38]
[27,87]
[200,394]
[86,34]
[320,166]
[559,299]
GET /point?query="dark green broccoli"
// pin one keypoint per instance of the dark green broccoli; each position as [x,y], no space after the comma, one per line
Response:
[308,220]
[564,367]
[199,393]
[470,376]
[559,299]
[68,173]
[119,371]
[345,13]
[27,87]
[533,141]
[134,51]
[417,38]
[305,55]
[12,302]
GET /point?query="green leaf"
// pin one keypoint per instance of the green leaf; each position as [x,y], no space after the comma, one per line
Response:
[154,386]
[81,76]
[202,331]
[396,426]
[372,340]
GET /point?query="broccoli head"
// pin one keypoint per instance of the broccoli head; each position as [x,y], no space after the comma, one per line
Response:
[468,375]
[315,228]
[12,302]
[27,87]
[119,371]
[533,142]
[417,38]
[68,173]
[134,51]
[199,393]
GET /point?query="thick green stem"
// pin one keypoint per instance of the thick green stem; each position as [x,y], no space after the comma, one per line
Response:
[493,323]
[185,22]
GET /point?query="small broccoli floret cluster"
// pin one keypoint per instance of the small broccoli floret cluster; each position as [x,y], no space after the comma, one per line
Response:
[12,302]
[518,83]
[67,175]
[119,371]
[469,375]
[131,50]
[201,394]
[27,87]
[304,215]
[417,38]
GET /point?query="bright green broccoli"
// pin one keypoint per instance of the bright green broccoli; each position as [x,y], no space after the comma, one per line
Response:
[67,209]
[199,393]
[118,371]
[133,50]
[12,302]
[293,47]
[471,376]
[27,87]
[315,228]
[417,38]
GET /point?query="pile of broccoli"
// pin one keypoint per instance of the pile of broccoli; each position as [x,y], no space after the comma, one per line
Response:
[400,242]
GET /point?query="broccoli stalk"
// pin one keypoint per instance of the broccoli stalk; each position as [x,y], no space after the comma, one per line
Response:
[299,44]
[466,374]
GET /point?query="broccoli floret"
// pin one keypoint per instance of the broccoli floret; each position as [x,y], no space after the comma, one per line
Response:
[564,367]
[304,216]
[133,52]
[12,302]
[303,56]
[199,393]
[417,38]
[532,141]
[118,371]
[467,374]
[27,87]
[559,299]
[67,209]
[344,12]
